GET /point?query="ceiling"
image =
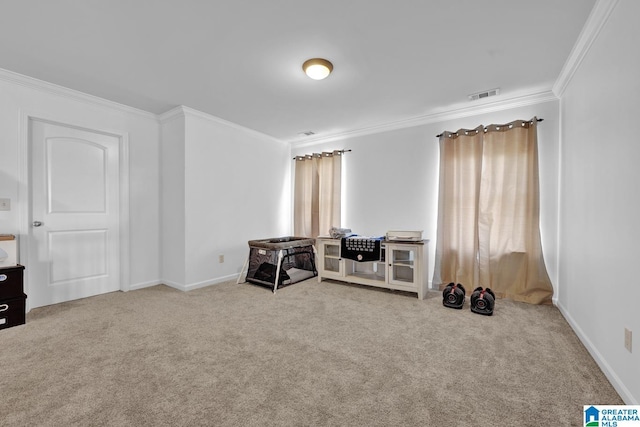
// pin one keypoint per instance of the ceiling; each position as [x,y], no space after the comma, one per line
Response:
[240,60]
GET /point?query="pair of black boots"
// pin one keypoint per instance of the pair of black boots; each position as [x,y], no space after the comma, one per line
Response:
[482,299]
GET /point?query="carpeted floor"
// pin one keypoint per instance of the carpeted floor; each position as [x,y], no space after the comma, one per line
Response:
[314,354]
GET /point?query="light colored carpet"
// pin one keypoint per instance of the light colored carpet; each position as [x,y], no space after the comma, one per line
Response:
[324,354]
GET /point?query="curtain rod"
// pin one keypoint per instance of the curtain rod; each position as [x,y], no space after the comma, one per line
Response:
[334,151]
[438,136]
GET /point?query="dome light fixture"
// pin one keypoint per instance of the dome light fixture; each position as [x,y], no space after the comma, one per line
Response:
[317,68]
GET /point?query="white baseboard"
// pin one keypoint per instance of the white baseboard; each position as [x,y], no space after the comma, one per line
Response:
[144,285]
[622,390]
[203,284]
[211,282]
[174,285]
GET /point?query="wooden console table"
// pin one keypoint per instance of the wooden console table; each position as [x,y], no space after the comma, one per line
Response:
[403,266]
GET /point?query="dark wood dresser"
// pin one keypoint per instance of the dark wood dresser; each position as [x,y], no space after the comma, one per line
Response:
[12,297]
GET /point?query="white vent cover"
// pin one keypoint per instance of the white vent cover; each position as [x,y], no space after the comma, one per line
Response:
[484,94]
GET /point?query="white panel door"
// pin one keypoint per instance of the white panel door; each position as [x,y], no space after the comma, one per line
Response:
[74,233]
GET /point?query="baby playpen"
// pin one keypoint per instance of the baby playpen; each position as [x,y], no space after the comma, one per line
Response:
[280,261]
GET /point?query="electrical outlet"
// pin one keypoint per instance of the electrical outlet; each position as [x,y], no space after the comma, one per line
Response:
[5,204]
[220,259]
[627,339]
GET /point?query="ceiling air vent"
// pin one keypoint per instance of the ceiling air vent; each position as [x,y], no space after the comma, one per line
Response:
[484,94]
[307,133]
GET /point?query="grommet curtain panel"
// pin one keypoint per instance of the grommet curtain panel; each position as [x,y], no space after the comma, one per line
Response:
[489,212]
[317,193]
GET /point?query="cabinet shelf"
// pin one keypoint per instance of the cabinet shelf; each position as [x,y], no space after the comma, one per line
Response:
[368,276]
[403,264]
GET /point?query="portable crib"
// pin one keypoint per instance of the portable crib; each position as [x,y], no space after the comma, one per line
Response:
[289,259]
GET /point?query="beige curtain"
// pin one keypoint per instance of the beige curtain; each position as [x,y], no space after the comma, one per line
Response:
[489,212]
[457,236]
[305,206]
[317,193]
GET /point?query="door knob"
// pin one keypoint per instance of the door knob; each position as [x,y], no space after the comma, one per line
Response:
[37,224]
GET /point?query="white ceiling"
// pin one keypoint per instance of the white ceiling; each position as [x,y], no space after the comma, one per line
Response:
[240,60]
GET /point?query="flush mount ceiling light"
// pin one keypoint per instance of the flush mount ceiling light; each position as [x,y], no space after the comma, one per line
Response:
[317,68]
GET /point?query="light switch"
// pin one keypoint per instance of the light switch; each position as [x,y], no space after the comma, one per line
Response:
[5,204]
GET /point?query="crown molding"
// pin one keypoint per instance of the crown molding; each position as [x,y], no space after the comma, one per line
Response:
[596,20]
[187,111]
[489,107]
[179,111]
[54,89]
[171,115]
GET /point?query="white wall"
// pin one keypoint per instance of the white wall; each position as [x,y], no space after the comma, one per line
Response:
[20,96]
[172,197]
[600,199]
[391,178]
[223,185]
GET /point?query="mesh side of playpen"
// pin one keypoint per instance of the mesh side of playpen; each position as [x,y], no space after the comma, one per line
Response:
[298,263]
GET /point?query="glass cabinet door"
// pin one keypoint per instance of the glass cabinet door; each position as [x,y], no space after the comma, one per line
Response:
[401,260]
[331,259]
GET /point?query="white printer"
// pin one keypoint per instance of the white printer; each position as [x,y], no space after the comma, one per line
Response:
[404,236]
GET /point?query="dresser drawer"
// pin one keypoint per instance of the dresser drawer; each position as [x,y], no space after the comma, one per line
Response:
[12,312]
[11,282]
